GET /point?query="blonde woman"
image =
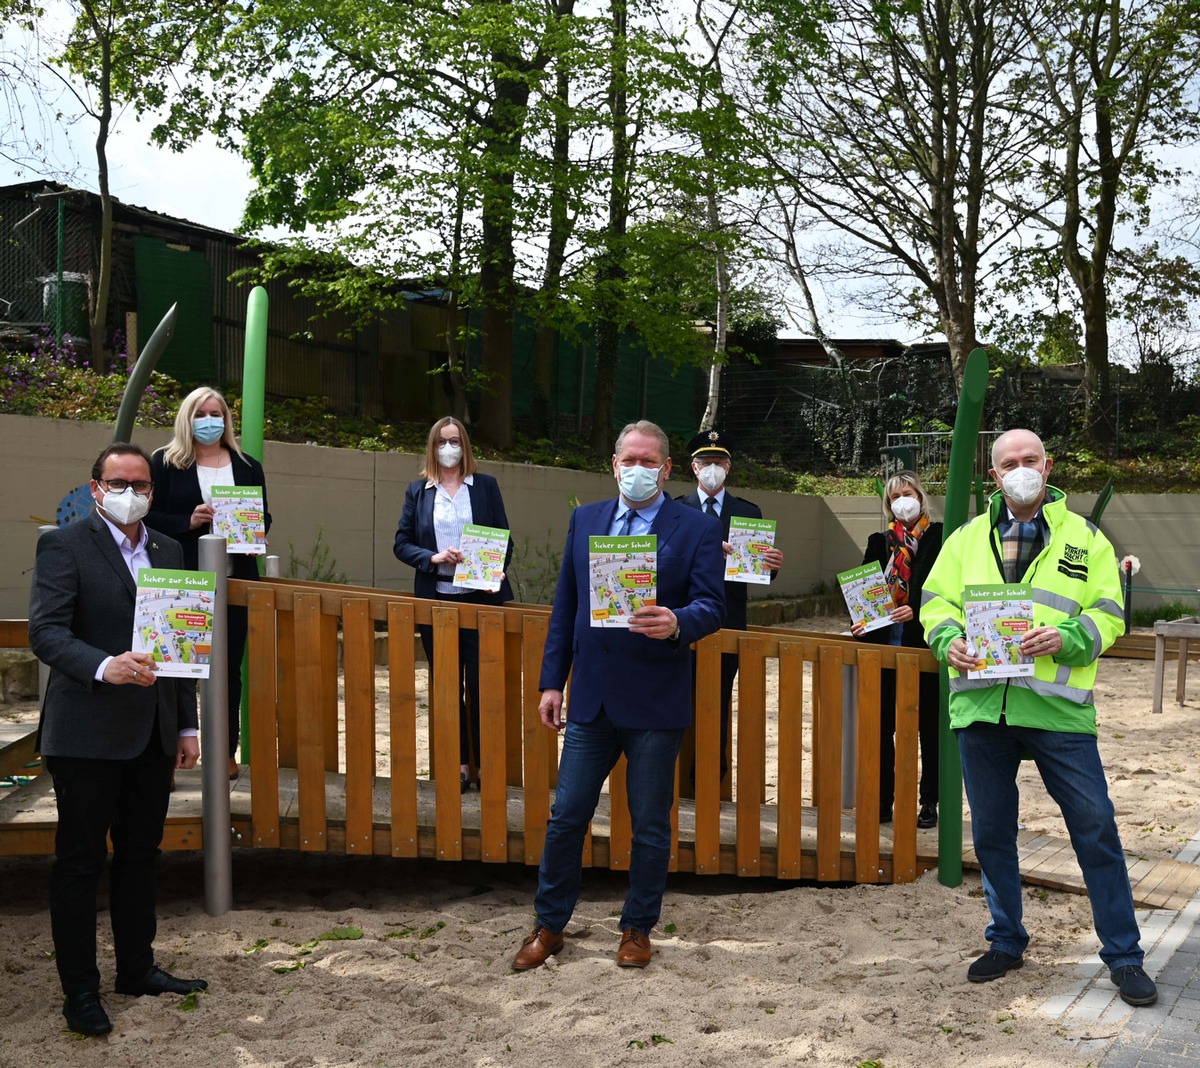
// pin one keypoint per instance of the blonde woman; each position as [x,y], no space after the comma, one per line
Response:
[906,552]
[202,454]
[450,493]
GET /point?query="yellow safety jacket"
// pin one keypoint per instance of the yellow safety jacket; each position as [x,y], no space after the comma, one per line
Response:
[1076,589]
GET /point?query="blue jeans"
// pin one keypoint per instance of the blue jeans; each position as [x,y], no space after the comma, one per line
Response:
[590,750]
[1069,765]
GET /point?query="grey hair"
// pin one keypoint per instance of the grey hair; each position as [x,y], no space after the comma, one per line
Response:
[652,430]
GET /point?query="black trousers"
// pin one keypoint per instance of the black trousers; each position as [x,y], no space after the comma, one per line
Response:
[239,626]
[927,736]
[95,797]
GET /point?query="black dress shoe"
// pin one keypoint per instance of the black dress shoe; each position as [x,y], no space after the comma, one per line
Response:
[85,1015]
[927,817]
[156,982]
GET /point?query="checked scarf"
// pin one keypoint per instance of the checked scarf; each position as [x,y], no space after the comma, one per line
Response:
[902,544]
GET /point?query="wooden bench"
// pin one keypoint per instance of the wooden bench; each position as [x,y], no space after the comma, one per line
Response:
[1183,630]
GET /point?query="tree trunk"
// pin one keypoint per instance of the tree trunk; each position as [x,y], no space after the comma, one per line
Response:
[1097,382]
[610,281]
[98,305]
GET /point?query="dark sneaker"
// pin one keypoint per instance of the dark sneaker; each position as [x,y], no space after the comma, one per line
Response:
[993,964]
[1137,988]
[927,817]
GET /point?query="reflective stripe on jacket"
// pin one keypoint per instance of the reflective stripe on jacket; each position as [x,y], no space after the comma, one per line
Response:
[1076,589]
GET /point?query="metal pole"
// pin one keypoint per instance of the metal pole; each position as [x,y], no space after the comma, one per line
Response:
[58,285]
[214,740]
[271,566]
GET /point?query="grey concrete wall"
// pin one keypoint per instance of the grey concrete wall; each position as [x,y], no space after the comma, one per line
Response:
[356,498]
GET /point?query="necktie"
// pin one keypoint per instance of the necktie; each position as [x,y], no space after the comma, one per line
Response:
[627,525]
[710,506]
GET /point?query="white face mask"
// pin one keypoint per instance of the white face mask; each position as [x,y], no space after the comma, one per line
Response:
[906,509]
[125,507]
[1022,485]
[638,483]
[712,477]
[449,455]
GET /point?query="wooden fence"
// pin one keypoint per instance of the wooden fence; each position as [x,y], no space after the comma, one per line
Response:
[313,789]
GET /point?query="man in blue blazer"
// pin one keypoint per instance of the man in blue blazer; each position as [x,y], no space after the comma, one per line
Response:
[631,692]
[111,732]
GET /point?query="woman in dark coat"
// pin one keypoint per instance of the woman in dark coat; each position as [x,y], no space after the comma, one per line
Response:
[202,454]
[906,552]
[450,493]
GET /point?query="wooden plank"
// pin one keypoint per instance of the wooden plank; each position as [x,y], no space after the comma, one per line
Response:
[18,749]
[620,828]
[513,726]
[751,753]
[791,760]
[263,678]
[329,685]
[14,634]
[1181,877]
[493,736]
[358,665]
[310,736]
[402,713]
[541,744]
[447,691]
[867,801]
[904,816]
[827,754]
[707,757]
[285,703]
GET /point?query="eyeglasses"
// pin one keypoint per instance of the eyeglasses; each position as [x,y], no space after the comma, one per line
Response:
[119,485]
[456,442]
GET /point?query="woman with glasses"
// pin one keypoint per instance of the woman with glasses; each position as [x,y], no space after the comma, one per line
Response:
[202,454]
[449,494]
[906,551]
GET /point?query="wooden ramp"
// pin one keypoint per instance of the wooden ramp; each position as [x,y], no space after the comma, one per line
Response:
[28,822]
[1157,883]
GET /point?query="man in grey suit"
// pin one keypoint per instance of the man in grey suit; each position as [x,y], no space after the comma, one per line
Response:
[111,734]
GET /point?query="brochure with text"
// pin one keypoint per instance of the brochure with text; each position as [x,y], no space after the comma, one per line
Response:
[173,620]
[482,565]
[998,618]
[622,577]
[749,538]
[239,517]
[867,596]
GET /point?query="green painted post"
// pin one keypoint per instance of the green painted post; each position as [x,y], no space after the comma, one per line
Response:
[958,499]
[139,376]
[254,387]
[59,297]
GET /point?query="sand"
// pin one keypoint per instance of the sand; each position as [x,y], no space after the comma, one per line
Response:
[746,973]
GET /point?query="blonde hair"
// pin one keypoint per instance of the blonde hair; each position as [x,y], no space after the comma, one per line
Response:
[180,451]
[432,469]
[897,482]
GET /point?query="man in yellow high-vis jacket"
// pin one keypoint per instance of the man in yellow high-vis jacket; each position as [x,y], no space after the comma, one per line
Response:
[1028,537]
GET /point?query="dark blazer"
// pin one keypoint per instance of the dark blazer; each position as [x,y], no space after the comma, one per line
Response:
[81,611]
[736,593]
[416,541]
[638,681]
[928,547]
[176,494]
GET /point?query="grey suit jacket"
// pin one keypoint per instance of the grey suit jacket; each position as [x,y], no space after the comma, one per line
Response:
[80,611]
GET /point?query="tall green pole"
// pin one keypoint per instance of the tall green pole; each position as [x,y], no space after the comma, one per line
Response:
[958,501]
[254,388]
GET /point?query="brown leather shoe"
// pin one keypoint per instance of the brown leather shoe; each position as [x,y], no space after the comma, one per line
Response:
[536,948]
[634,950]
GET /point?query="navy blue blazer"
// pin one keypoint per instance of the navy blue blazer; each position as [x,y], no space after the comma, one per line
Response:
[416,541]
[736,593]
[176,494]
[638,682]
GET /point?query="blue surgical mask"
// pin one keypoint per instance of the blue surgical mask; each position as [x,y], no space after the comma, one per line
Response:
[639,483]
[208,429]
